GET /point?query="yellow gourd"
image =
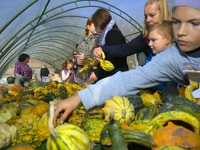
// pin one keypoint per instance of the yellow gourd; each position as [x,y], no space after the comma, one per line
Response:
[105,64]
[123,109]
[66,136]
[189,89]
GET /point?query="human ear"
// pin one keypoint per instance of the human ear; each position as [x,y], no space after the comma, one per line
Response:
[169,38]
[88,27]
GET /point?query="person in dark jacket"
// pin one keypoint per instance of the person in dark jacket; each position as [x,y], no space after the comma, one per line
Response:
[44,74]
[110,35]
[154,11]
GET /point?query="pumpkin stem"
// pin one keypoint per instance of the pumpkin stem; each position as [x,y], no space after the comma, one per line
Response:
[123,113]
[50,123]
[112,113]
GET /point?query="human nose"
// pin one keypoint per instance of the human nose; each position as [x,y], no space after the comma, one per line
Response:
[148,19]
[150,43]
[182,30]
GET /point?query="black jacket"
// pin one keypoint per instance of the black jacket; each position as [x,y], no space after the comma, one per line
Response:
[136,45]
[113,37]
[44,72]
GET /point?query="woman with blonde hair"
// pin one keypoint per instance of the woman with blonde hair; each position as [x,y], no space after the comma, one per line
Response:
[154,11]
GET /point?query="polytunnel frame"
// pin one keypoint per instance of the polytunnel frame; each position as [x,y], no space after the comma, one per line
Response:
[7,65]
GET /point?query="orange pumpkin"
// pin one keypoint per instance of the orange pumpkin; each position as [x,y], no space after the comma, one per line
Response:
[40,109]
[173,135]
[50,86]
[23,146]
[16,87]
[181,91]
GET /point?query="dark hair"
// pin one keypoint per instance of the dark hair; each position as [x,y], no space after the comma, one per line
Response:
[76,46]
[23,57]
[101,18]
[58,72]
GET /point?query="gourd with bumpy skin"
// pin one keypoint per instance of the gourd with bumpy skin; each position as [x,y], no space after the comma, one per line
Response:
[93,128]
[105,64]
[124,110]
[174,135]
[66,136]
[189,89]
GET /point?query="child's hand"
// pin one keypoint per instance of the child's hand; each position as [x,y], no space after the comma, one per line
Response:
[97,53]
[65,107]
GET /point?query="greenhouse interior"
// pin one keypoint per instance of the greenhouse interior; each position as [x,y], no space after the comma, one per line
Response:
[62,85]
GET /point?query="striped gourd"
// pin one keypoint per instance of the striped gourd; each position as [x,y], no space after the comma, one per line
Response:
[163,118]
[66,136]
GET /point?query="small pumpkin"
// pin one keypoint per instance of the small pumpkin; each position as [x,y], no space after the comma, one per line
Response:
[40,109]
[22,146]
[16,87]
[173,135]
[123,109]
[147,97]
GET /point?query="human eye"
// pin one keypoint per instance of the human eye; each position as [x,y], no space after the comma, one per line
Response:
[175,22]
[195,23]
[152,15]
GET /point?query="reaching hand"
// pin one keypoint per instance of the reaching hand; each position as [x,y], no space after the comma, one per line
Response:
[65,107]
[80,58]
[97,53]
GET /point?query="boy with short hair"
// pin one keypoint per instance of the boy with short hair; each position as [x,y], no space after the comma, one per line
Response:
[160,38]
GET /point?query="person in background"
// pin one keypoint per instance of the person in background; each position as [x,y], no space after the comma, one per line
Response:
[165,66]
[154,11]
[85,49]
[22,68]
[44,74]
[57,75]
[34,76]
[74,60]
[110,35]
[68,74]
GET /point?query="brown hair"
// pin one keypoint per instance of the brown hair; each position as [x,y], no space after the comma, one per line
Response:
[66,62]
[163,28]
[101,18]
[58,72]
[165,13]
[89,22]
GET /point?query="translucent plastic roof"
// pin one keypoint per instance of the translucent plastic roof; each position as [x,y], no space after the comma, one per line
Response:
[49,30]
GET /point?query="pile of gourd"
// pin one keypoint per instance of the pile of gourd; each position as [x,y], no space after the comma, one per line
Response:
[24,111]
[151,119]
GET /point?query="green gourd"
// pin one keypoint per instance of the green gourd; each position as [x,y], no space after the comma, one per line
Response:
[116,135]
[169,92]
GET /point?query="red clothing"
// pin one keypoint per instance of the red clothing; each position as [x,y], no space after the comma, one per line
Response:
[23,69]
